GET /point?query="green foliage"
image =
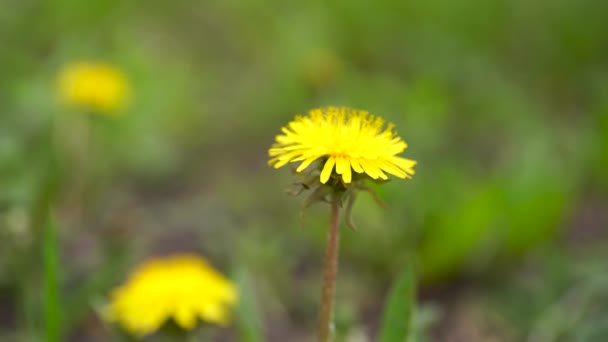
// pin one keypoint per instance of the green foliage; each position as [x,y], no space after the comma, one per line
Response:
[503,104]
[396,323]
[248,315]
[52,301]
[459,231]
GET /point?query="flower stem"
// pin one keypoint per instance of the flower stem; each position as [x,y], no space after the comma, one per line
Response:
[330,271]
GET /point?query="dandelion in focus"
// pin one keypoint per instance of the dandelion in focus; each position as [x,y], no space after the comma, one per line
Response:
[182,287]
[348,147]
[93,86]
[344,138]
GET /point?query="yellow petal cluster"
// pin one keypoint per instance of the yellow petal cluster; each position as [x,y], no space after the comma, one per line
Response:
[93,86]
[347,139]
[182,287]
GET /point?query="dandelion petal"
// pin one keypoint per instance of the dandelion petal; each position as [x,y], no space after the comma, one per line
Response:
[329,165]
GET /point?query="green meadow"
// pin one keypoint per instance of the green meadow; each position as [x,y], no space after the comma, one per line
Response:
[500,235]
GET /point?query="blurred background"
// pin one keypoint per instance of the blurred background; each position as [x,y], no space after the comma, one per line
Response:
[504,104]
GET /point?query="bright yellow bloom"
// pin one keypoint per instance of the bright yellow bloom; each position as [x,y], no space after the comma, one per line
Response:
[346,138]
[182,287]
[93,86]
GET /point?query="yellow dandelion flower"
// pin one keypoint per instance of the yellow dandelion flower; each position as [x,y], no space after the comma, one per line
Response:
[93,86]
[344,138]
[182,287]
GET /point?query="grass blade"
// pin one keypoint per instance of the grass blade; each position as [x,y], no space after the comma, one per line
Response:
[248,316]
[51,288]
[396,321]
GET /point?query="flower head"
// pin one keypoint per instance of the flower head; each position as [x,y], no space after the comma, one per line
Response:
[182,287]
[93,86]
[344,138]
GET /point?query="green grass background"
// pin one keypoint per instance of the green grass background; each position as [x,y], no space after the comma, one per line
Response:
[504,104]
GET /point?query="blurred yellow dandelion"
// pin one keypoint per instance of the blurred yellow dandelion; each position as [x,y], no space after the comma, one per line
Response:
[93,86]
[182,287]
[346,138]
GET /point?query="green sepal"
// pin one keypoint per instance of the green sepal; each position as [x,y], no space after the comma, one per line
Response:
[320,194]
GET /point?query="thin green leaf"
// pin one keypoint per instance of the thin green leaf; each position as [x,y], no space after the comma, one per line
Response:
[396,320]
[248,316]
[51,288]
